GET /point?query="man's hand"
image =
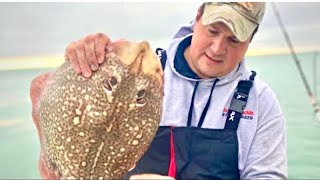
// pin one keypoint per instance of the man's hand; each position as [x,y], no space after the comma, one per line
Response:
[86,54]
[150,177]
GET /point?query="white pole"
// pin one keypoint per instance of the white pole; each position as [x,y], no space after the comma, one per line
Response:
[296,60]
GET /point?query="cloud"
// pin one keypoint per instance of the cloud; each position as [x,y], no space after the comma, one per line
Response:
[303,30]
[29,29]
[47,28]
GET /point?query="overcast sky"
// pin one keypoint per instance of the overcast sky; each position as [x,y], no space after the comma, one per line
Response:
[30,29]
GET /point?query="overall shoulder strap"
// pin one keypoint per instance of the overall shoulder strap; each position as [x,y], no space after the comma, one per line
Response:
[239,102]
[162,55]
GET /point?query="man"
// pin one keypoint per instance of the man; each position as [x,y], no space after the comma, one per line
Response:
[219,121]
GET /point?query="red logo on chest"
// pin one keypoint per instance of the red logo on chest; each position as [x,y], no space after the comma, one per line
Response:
[247,114]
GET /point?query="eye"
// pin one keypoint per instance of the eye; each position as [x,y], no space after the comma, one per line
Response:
[141,101]
[234,41]
[113,81]
[110,83]
[141,94]
[212,32]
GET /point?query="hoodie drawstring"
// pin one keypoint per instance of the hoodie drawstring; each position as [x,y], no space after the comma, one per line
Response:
[172,166]
[205,110]
[192,104]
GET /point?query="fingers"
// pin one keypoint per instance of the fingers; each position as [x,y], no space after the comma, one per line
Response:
[72,57]
[82,60]
[86,54]
[89,45]
[101,41]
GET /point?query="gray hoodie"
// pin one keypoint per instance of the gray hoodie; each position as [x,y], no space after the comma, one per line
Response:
[261,132]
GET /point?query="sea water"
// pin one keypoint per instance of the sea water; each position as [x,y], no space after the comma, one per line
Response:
[19,142]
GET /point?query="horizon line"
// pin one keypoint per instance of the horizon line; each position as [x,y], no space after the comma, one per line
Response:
[54,61]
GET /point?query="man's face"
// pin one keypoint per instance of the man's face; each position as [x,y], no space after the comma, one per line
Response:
[214,50]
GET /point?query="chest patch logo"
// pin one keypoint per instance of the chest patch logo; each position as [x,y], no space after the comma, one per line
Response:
[247,114]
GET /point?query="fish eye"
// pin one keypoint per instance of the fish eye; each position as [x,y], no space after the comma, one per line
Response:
[113,81]
[141,94]
[141,101]
[107,85]
[110,83]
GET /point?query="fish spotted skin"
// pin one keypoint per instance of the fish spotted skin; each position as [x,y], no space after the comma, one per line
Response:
[98,128]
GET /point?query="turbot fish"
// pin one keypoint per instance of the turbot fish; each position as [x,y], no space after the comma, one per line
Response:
[99,127]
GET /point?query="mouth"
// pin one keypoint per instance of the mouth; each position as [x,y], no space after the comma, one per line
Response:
[215,60]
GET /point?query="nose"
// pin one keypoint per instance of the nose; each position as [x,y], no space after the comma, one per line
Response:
[219,46]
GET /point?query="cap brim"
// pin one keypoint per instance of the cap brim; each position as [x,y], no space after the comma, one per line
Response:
[241,27]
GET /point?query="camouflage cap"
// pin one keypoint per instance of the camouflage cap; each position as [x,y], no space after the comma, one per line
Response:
[241,17]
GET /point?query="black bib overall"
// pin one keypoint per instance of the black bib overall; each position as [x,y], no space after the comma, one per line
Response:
[194,152]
